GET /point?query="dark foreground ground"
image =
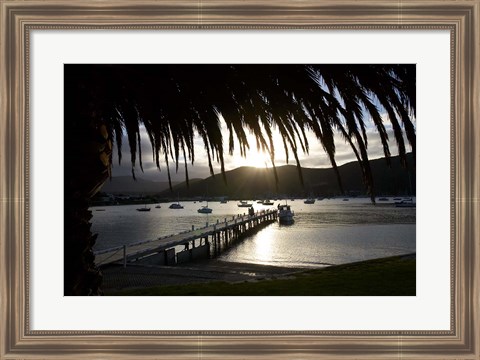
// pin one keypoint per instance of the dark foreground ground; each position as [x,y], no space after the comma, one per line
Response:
[393,276]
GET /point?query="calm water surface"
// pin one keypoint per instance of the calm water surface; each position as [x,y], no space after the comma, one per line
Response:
[331,231]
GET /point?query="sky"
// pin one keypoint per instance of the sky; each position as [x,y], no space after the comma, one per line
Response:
[316,158]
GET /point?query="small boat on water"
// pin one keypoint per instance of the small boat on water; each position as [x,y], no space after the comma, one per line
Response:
[223,201]
[158,206]
[267,202]
[405,204]
[244,203]
[309,201]
[175,206]
[346,199]
[260,201]
[205,210]
[143,209]
[383,199]
[285,214]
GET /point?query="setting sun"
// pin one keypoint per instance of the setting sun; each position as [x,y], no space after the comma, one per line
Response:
[257,157]
[254,157]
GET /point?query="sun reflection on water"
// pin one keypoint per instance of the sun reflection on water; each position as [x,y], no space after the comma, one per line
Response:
[327,232]
[263,250]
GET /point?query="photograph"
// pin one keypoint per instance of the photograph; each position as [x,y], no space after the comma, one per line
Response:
[240,179]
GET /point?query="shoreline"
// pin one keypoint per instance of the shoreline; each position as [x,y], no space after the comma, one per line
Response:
[138,277]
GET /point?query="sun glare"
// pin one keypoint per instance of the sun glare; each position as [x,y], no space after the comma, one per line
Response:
[264,245]
[257,157]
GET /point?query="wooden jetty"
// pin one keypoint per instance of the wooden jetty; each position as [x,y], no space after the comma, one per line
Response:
[200,243]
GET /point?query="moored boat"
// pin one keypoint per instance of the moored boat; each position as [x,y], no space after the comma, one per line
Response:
[405,204]
[205,210]
[143,209]
[244,203]
[285,214]
[309,201]
[175,206]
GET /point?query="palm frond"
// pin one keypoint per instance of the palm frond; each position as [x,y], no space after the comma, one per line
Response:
[176,102]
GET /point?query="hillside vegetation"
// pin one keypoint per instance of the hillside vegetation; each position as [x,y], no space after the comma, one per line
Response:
[252,182]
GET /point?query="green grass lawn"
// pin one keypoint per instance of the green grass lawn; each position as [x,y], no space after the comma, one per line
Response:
[394,276]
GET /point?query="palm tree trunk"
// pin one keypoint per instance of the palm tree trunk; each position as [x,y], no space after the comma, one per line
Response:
[81,276]
[87,167]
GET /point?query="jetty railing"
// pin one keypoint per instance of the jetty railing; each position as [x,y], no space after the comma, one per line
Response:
[198,243]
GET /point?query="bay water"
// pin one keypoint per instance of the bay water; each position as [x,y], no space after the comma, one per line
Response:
[330,231]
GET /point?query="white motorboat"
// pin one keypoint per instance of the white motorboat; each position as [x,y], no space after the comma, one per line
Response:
[285,214]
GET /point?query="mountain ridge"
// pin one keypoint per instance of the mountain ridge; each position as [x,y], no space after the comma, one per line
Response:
[252,182]
[126,184]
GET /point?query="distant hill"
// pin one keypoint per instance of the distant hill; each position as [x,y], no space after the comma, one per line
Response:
[252,183]
[126,185]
